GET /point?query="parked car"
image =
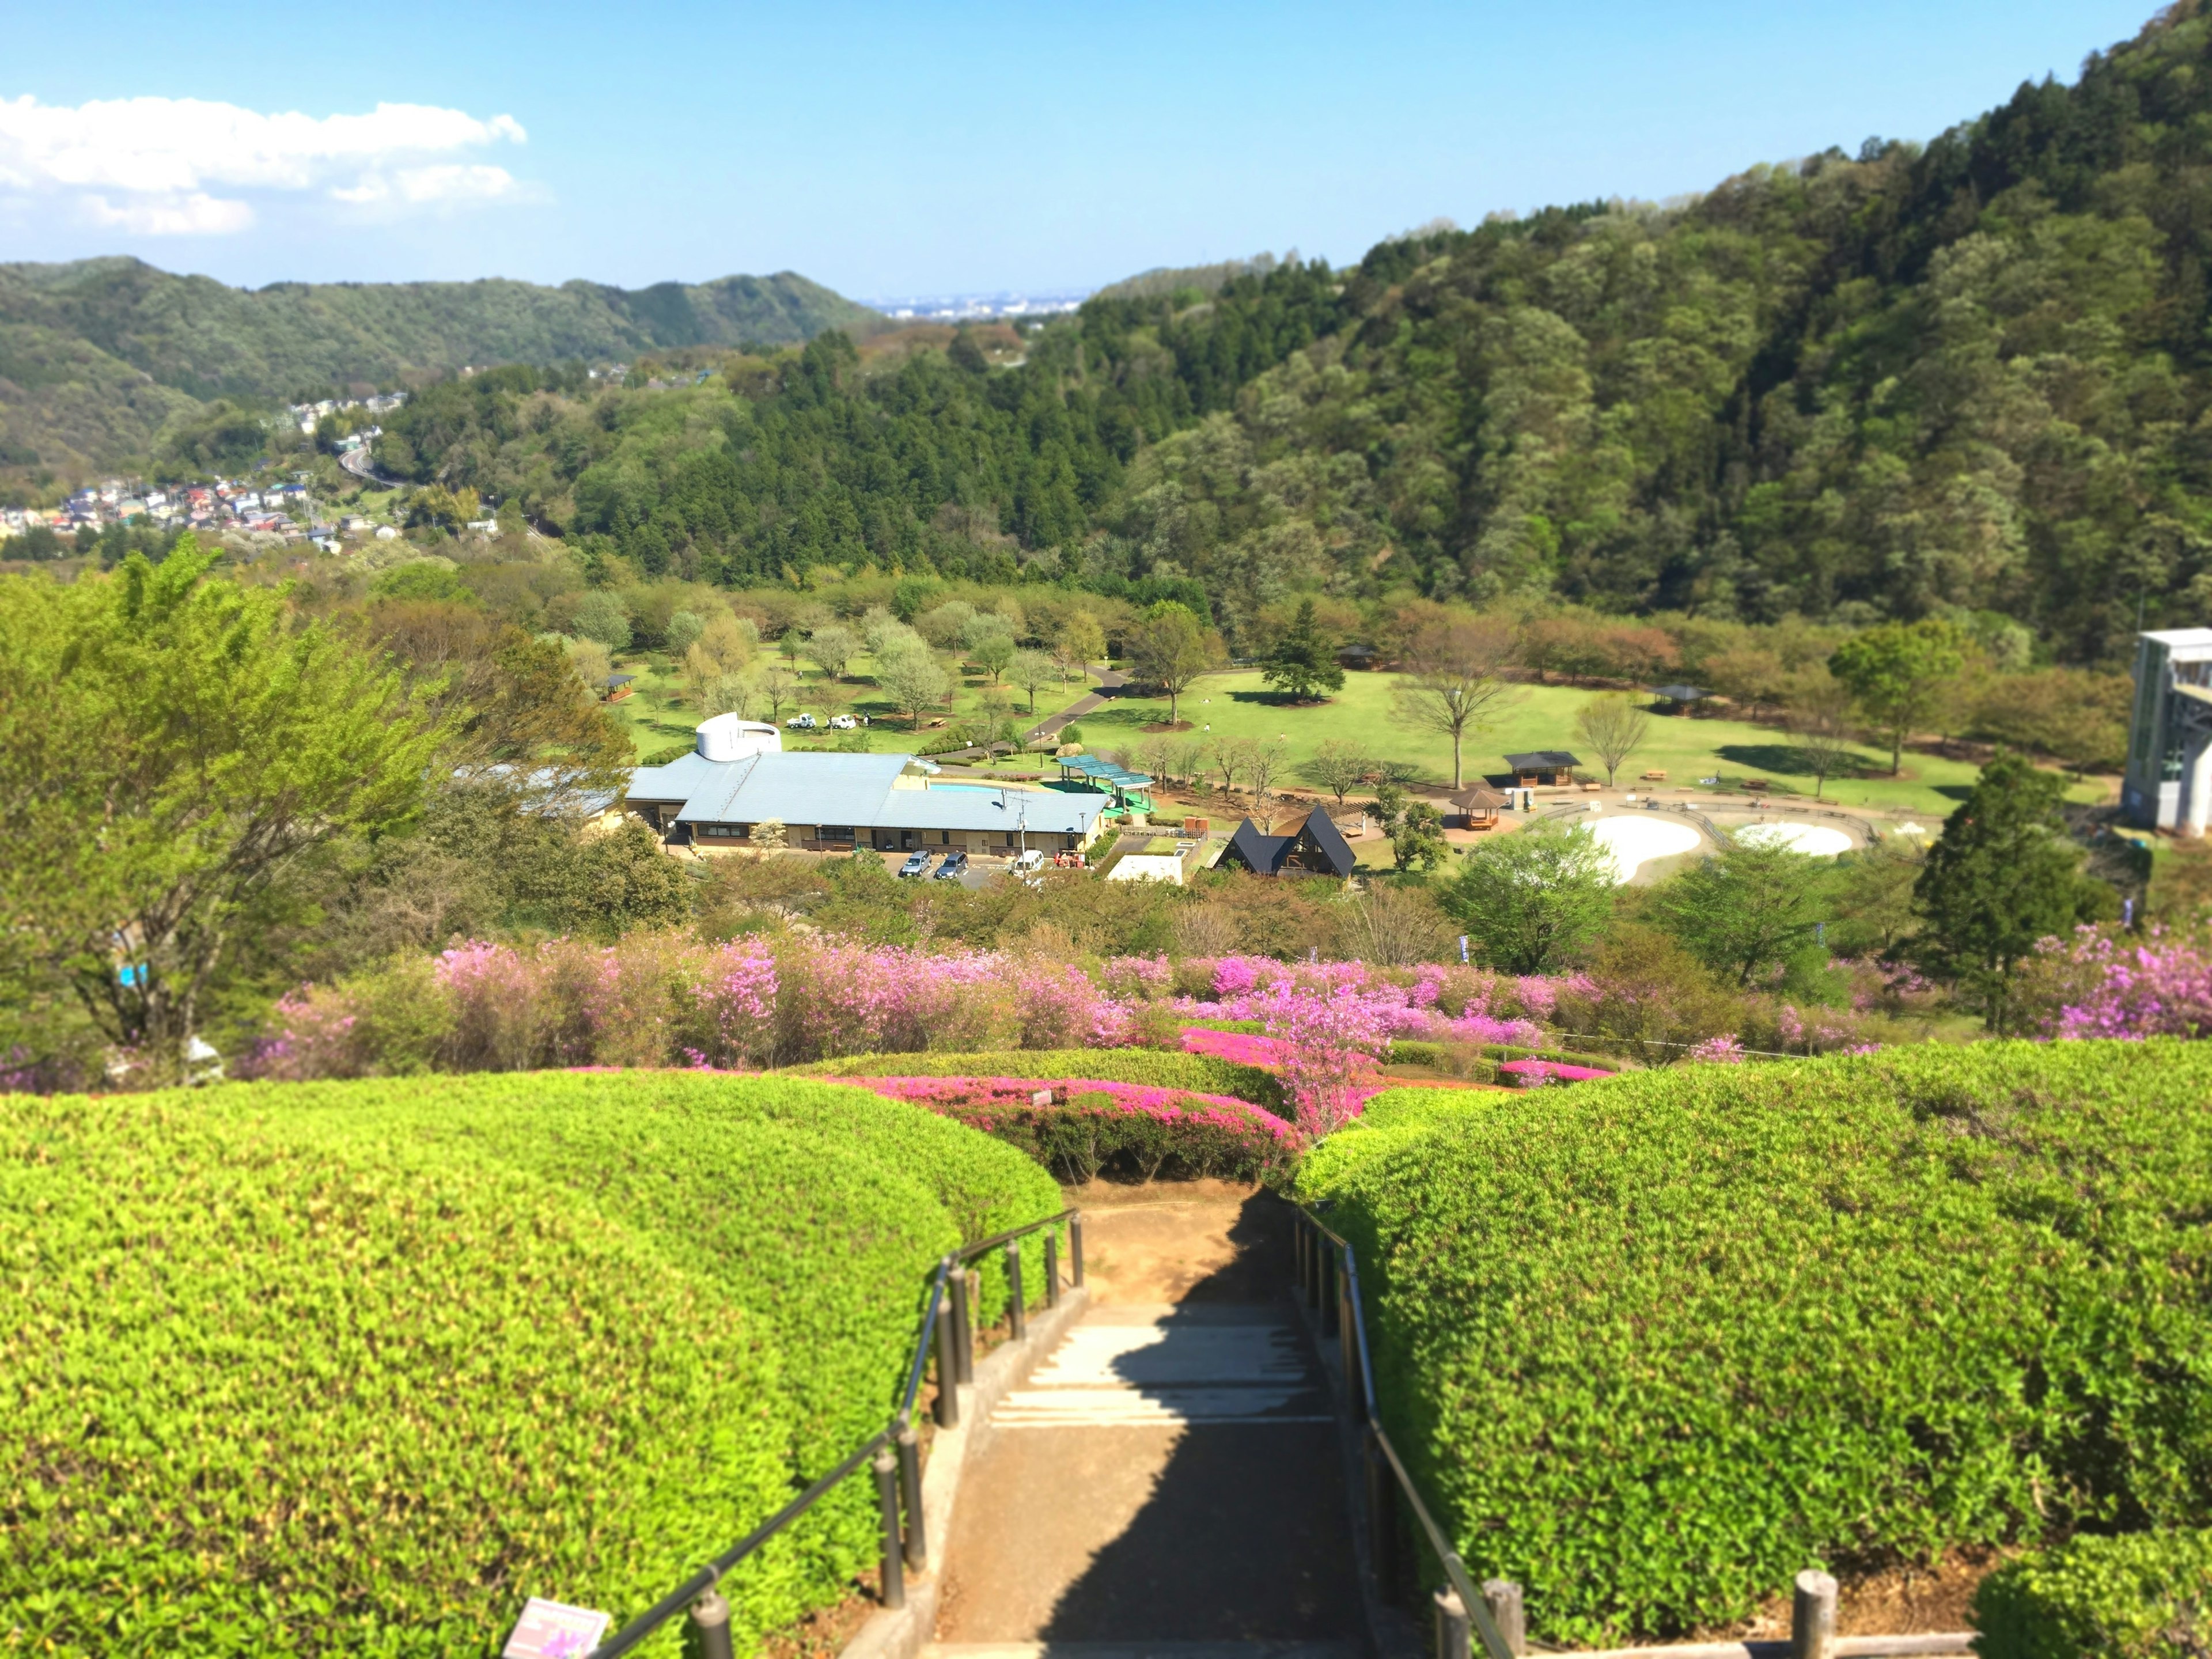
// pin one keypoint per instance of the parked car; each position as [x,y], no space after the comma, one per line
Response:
[1032,859]
[917,864]
[804,722]
[843,723]
[954,867]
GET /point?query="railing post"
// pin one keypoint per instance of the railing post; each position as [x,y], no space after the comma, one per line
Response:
[917,1527]
[963,1328]
[948,1361]
[886,1468]
[1813,1616]
[1075,1249]
[1017,1324]
[710,1627]
[1382,1516]
[1052,1266]
[1508,1612]
[1328,1301]
[1454,1629]
[1347,1328]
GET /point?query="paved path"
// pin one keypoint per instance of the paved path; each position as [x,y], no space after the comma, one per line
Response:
[1169,1477]
[1108,681]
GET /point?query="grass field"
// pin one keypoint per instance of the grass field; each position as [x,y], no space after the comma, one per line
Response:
[657,714]
[1543,717]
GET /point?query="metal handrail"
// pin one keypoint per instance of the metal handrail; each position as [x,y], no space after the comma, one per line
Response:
[946,1327]
[969,1252]
[1482,1626]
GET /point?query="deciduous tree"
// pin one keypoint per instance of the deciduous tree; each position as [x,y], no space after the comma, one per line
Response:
[1897,674]
[1613,726]
[176,751]
[1453,682]
[1169,648]
[1531,902]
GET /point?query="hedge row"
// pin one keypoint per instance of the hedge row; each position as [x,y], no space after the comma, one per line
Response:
[2143,1596]
[1090,1127]
[1159,1069]
[1656,1343]
[1443,1056]
[359,1367]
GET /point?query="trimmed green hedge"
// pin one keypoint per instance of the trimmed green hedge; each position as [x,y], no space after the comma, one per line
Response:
[1413,1051]
[1389,1120]
[1655,1344]
[1157,1067]
[359,1367]
[1502,1051]
[2143,1596]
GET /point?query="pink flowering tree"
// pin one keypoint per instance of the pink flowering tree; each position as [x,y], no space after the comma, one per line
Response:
[1330,1042]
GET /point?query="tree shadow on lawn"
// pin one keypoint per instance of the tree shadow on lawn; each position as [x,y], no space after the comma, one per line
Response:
[1788,757]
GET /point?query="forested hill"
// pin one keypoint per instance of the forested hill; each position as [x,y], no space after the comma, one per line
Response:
[1974,374]
[95,355]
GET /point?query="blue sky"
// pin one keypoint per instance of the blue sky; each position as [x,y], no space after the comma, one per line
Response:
[905,151]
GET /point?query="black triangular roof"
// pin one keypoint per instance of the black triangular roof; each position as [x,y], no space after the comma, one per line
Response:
[1269,855]
[1255,849]
[1331,842]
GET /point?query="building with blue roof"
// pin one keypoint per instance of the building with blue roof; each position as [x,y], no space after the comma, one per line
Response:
[893,802]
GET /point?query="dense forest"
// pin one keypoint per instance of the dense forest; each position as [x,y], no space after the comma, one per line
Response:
[1968,377]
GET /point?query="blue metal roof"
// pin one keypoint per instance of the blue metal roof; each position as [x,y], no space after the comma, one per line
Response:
[863,791]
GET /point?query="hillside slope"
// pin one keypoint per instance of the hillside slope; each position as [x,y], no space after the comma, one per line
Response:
[1972,375]
[93,354]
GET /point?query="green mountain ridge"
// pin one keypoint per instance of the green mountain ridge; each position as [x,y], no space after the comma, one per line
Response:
[97,355]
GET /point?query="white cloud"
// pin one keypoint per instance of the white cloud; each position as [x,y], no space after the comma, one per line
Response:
[147,164]
[196,215]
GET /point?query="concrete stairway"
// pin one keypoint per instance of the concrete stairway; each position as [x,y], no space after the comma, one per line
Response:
[1167,1485]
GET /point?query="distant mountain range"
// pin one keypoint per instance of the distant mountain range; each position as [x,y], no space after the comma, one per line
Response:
[97,356]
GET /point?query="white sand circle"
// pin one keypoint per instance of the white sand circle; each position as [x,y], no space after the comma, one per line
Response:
[1818,839]
[1630,838]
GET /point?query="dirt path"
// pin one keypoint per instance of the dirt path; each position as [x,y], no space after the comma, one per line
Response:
[1170,1473]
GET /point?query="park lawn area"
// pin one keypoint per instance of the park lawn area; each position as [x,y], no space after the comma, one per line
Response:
[657,714]
[1236,704]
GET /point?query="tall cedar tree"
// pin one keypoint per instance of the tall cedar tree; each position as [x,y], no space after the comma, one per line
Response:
[1303,664]
[2003,876]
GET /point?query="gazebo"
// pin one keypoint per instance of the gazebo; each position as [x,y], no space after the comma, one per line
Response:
[1542,766]
[1478,807]
[1681,697]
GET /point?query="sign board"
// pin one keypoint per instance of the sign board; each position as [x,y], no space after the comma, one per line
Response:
[551,1630]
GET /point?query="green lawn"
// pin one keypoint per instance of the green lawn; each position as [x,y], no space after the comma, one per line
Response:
[1236,704]
[657,713]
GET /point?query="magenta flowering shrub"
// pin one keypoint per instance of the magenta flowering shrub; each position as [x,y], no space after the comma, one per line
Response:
[1237,1046]
[2106,982]
[1330,1042]
[1165,1104]
[1136,979]
[1723,1050]
[1551,1070]
[1080,1128]
[669,1000]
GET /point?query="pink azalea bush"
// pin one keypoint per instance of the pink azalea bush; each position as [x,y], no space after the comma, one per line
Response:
[1083,1126]
[2106,982]
[1718,1050]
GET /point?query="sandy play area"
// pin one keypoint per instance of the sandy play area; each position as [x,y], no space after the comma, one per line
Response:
[1818,839]
[1631,839]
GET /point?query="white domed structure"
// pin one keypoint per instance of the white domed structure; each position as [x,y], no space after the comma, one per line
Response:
[726,737]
